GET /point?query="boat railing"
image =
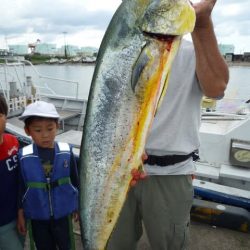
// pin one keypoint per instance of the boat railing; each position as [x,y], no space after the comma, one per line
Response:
[7,78]
[40,88]
[54,79]
[17,103]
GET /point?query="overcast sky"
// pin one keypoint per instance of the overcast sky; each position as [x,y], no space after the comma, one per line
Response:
[83,22]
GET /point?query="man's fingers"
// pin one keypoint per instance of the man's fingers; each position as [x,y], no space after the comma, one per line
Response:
[144,157]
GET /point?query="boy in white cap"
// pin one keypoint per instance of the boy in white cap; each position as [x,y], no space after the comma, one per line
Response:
[49,181]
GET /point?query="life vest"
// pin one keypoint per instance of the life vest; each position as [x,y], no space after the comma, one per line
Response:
[44,199]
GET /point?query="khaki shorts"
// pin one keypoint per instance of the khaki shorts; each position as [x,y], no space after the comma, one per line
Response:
[163,203]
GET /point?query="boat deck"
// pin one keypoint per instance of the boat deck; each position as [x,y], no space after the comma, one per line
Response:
[226,174]
[72,137]
[202,237]
[67,114]
[15,126]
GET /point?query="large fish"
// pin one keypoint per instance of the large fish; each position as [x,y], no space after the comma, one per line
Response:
[130,77]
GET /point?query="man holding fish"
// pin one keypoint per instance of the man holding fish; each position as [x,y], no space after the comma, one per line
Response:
[164,199]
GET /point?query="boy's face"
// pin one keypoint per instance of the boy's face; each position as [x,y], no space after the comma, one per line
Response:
[2,124]
[43,132]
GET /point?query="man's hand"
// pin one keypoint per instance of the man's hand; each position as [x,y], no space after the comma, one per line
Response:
[203,10]
[144,157]
[138,174]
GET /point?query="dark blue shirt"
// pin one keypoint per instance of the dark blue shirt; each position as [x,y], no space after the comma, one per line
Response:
[8,179]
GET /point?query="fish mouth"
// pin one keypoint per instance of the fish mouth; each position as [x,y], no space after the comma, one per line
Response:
[161,37]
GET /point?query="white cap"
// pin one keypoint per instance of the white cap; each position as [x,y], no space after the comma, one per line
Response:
[41,109]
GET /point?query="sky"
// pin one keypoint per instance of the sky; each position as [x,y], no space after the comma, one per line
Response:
[83,22]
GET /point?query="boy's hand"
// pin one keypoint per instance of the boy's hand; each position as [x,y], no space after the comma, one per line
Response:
[21,225]
[75,216]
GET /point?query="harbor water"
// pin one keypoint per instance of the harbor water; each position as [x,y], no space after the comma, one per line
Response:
[81,74]
[238,87]
[239,83]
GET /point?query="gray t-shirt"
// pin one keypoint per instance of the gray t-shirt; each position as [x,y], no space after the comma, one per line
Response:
[175,129]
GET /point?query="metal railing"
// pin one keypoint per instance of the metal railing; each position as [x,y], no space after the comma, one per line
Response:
[53,78]
[21,63]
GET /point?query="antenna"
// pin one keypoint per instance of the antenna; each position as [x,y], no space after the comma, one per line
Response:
[65,46]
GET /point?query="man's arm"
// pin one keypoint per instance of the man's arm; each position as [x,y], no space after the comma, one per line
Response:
[211,69]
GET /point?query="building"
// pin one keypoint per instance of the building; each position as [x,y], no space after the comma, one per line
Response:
[226,49]
[238,58]
[88,51]
[18,49]
[68,50]
[46,49]
[4,52]
[246,56]
[229,57]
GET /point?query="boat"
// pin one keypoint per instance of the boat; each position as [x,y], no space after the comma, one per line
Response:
[89,59]
[222,178]
[52,60]
[76,59]
[62,61]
